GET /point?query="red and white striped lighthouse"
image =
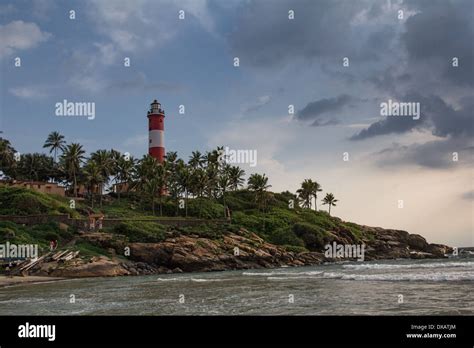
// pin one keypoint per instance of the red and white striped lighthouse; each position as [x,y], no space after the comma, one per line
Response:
[156,128]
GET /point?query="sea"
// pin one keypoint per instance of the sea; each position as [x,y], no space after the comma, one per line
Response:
[396,287]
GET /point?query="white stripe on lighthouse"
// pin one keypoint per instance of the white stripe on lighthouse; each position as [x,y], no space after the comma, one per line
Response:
[157,138]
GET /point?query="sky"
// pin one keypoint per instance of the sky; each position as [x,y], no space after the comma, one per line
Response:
[334,62]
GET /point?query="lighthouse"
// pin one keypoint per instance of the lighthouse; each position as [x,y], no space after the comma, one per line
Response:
[156,131]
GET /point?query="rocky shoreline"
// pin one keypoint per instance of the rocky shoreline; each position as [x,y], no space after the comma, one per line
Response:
[234,251]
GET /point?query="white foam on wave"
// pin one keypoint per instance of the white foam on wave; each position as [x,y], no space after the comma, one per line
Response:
[171,279]
[270,274]
[184,279]
[432,276]
[468,264]
[201,280]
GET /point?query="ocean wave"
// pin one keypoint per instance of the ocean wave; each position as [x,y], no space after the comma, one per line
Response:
[432,276]
[468,264]
[184,279]
[270,274]
[294,278]
[171,279]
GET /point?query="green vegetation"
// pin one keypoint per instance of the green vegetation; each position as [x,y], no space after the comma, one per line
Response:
[21,201]
[139,231]
[205,186]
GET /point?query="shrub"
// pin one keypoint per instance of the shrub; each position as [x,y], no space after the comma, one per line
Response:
[285,236]
[140,231]
[313,236]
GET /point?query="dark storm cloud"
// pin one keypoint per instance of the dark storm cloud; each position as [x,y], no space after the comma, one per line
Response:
[313,111]
[388,58]
[435,115]
[436,154]
[388,125]
[442,30]
[266,37]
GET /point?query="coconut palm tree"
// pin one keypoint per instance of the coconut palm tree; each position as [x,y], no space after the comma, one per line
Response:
[314,192]
[259,185]
[55,142]
[105,162]
[236,177]
[92,177]
[7,154]
[196,160]
[224,184]
[330,200]
[305,192]
[150,179]
[184,181]
[124,172]
[72,157]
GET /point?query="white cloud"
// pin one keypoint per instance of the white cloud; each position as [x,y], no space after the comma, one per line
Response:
[134,26]
[19,35]
[31,92]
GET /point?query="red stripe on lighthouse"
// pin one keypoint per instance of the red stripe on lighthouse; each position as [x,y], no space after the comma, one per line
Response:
[156,134]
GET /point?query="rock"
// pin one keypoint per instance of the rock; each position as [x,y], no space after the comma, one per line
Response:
[416,241]
[100,267]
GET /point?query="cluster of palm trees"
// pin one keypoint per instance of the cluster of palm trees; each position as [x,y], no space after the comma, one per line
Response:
[309,190]
[202,175]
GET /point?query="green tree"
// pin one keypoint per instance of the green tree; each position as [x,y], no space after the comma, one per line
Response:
[7,155]
[315,189]
[72,158]
[236,177]
[330,200]
[196,160]
[55,142]
[305,193]
[105,162]
[92,178]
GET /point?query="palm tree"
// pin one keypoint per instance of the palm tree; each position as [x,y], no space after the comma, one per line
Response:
[196,160]
[236,177]
[197,184]
[305,192]
[150,179]
[184,182]
[92,176]
[7,154]
[105,162]
[330,200]
[224,184]
[73,156]
[316,188]
[258,184]
[123,172]
[54,142]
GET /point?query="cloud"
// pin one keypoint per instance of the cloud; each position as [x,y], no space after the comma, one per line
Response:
[139,82]
[438,154]
[145,24]
[313,110]
[258,104]
[326,29]
[439,31]
[469,195]
[30,92]
[435,115]
[19,35]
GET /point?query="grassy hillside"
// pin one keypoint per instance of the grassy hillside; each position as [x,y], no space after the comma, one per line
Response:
[296,229]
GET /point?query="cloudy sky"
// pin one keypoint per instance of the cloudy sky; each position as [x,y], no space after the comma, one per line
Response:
[406,51]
